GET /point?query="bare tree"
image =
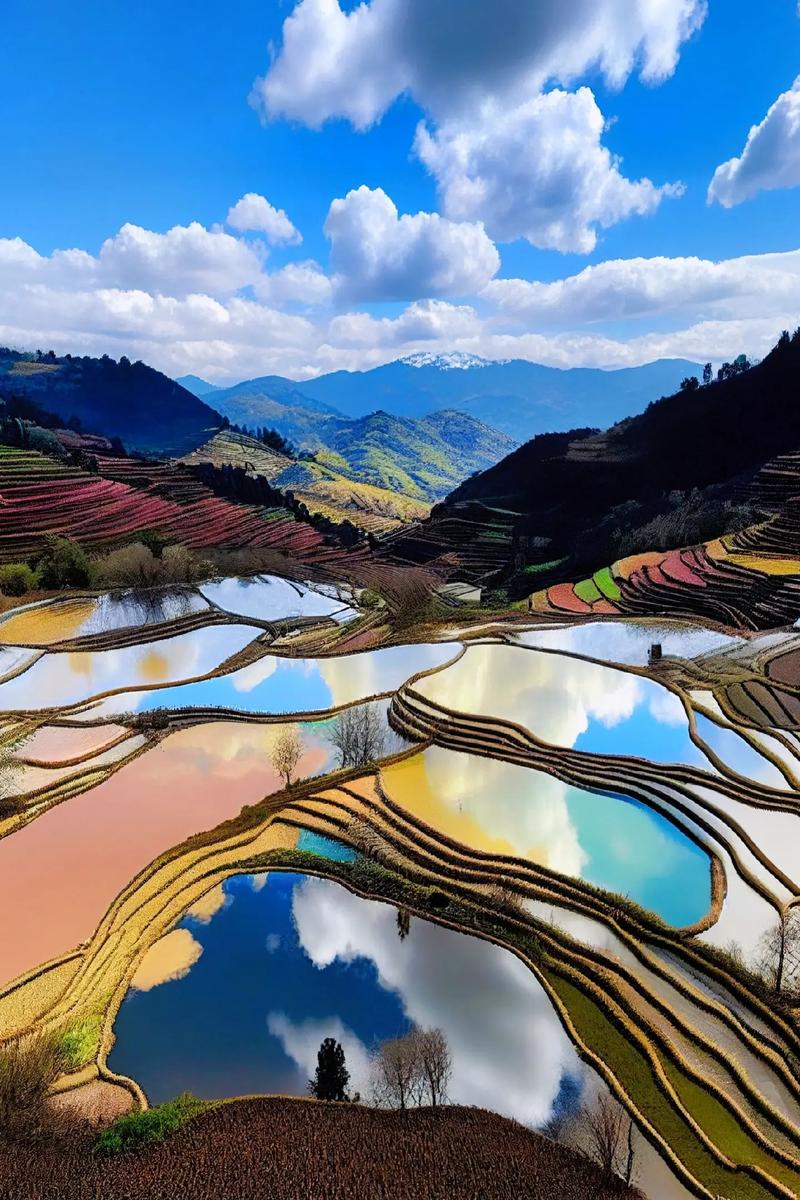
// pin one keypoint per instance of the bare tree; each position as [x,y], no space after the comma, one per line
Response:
[412,1070]
[403,923]
[359,735]
[435,1063]
[779,961]
[286,752]
[396,1073]
[609,1136]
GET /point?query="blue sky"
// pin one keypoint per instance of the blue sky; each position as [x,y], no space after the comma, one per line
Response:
[140,115]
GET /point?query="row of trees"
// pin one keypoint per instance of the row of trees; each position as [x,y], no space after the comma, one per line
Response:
[728,370]
[235,483]
[264,434]
[406,1072]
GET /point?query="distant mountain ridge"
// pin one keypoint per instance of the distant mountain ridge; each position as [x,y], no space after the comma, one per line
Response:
[516,397]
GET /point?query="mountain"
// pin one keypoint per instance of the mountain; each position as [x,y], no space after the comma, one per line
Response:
[679,473]
[196,385]
[519,398]
[421,458]
[148,411]
[323,490]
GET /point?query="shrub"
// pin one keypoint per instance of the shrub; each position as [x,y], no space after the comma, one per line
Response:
[64,564]
[80,1042]
[28,1067]
[16,579]
[136,1131]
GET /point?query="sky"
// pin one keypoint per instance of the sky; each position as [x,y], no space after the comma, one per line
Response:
[300,186]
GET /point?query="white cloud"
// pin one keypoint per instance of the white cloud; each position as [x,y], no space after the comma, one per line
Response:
[526,161]
[254,213]
[301,1041]
[185,259]
[621,289]
[508,1049]
[297,283]
[456,53]
[771,155]
[377,254]
[537,171]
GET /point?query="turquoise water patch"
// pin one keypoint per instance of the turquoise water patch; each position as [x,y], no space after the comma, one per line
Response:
[318,843]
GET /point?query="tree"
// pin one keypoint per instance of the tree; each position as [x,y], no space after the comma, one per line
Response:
[690,384]
[779,961]
[359,735]
[331,1076]
[64,564]
[286,752]
[403,923]
[708,373]
[609,1136]
[435,1063]
[412,1070]
[396,1073]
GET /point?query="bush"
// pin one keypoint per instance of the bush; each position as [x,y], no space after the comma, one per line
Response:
[136,1131]
[16,579]
[28,1067]
[64,564]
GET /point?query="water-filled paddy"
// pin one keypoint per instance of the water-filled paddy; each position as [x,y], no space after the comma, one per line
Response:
[270,598]
[54,622]
[629,642]
[288,960]
[275,684]
[70,678]
[609,840]
[568,702]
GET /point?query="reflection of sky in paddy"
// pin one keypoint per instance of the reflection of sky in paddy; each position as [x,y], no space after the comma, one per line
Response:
[290,960]
[611,841]
[58,679]
[275,684]
[568,702]
[114,610]
[628,641]
[270,598]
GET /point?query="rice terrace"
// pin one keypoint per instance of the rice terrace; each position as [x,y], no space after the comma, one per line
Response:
[400,601]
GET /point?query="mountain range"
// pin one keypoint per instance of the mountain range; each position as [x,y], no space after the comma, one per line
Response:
[516,397]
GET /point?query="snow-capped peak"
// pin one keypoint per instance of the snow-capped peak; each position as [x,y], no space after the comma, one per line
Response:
[459,360]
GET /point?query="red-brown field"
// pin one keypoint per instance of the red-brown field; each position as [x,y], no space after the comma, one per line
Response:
[282,1149]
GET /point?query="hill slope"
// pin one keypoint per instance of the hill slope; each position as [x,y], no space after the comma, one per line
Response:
[321,489]
[677,474]
[250,1149]
[147,410]
[422,458]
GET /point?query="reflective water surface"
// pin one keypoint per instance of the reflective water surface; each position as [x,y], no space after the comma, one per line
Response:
[610,840]
[288,960]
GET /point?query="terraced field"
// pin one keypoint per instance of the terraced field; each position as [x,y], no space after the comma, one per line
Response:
[41,496]
[607,820]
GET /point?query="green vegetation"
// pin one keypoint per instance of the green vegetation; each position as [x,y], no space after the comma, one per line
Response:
[80,1042]
[64,564]
[17,578]
[587,591]
[138,1130]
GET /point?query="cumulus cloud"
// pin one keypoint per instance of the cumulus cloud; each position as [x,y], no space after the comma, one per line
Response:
[688,307]
[302,283]
[448,56]
[538,171]
[771,155]
[185,259]
[621,289]
[508,1048]
[526,161]
[377,254]
[254,213]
